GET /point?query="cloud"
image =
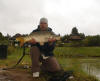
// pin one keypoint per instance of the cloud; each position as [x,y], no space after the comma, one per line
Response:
[22,16]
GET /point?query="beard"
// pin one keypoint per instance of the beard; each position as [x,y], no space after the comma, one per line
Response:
[44,28]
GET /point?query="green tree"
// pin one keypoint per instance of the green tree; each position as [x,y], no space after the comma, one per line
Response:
[74,31]
[65,38]
[82,35]
[3,40]
[92,40]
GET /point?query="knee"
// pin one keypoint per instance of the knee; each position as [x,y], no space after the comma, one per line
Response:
[34,48]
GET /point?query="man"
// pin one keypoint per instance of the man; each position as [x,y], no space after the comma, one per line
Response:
[49,64]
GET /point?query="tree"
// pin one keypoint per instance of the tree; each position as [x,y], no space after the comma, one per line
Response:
[65,38]
[3,40]
[74,31]
[92,40]
[0,34]
[82,35]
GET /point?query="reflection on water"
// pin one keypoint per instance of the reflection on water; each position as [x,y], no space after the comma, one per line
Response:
[92,68]
[90,65]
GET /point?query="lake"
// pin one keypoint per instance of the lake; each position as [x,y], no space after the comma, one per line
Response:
[89,65]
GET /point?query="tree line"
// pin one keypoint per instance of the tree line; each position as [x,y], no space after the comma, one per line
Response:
[65,40]
[86,40]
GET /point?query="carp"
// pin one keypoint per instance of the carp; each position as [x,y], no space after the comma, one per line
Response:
[40,37]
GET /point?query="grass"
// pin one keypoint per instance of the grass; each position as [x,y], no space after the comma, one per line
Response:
[77,51]
[14,56]
[75,65]
[66,63]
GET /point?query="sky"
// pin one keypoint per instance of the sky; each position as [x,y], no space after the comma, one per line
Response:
[22,16]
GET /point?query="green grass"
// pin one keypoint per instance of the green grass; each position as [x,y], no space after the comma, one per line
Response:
[77,51]
[16,53]
[74,64]
[66,63]
[14,56]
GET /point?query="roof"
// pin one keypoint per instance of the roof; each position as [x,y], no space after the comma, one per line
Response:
[75,37]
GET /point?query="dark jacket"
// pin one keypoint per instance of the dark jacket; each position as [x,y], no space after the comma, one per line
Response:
[46,49]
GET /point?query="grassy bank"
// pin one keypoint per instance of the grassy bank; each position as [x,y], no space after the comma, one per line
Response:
[77,51]
[75,65]
[66,63]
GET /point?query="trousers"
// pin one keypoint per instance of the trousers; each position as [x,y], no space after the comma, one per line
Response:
[50,64]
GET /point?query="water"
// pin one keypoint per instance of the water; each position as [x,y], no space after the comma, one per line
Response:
[91,66]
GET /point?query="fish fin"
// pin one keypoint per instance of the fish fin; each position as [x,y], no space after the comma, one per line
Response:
[21,40]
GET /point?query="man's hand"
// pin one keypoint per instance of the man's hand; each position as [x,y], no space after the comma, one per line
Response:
[51,40]
[32,41]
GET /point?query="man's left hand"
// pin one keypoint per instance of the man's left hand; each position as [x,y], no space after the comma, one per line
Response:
[51,40]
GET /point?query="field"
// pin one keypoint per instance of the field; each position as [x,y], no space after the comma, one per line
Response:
[77,51]
[62,54]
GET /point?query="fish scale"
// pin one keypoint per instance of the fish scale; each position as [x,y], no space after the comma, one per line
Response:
[40,37]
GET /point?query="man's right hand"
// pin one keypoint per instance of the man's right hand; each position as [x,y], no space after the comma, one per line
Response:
[32,41]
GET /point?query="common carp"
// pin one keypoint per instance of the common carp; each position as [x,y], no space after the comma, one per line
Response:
[40,37]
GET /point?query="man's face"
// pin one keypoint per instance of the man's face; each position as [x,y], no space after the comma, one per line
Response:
[43,26]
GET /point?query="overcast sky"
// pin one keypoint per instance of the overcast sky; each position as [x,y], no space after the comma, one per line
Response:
[22,16]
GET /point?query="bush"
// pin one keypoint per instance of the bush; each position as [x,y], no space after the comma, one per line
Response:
[92,41]
[11,50]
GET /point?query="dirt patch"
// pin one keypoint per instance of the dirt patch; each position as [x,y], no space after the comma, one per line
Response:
[17,75]
[3,76]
